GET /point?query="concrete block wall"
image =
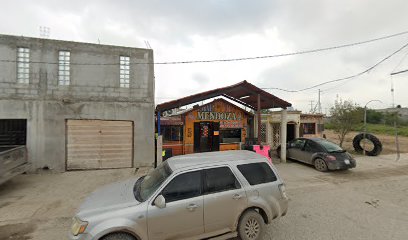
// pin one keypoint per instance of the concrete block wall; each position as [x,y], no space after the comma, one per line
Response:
[93,93]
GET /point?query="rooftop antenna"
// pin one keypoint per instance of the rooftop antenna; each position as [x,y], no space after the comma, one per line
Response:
[147,44]
[45,32]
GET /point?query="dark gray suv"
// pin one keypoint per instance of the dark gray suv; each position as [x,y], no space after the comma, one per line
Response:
[216,195]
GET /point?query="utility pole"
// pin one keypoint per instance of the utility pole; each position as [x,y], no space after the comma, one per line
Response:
[319,104]
[396,113]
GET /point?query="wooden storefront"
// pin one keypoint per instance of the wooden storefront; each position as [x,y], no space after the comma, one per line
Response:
[216,126]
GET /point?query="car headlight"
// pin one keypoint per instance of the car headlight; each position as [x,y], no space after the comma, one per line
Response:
[78,226]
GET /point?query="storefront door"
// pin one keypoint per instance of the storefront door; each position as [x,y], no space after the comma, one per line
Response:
[206,136]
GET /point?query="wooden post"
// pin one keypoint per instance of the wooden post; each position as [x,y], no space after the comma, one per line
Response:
[283,134]
[259,119]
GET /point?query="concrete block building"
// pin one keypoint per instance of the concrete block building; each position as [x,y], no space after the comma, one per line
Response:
[77,105]
[294,123]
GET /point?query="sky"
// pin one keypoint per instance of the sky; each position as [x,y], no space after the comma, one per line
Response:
[182,30]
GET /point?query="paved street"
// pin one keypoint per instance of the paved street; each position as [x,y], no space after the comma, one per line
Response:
[369,202]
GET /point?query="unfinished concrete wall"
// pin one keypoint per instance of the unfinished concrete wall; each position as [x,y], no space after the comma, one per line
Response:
[94,93]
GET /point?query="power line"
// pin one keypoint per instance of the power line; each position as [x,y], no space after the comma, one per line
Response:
[395,73]
[231,59]
[344,83]
[344,78]
[288,54]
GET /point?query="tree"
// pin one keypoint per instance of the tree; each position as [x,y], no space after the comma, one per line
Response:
[373,116]
[344,116]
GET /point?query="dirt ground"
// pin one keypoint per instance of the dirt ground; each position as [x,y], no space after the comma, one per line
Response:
[368,202]
[388,142]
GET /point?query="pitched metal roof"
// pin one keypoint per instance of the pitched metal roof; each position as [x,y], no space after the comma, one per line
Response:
[243,93]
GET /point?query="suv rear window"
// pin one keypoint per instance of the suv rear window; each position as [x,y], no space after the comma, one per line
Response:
[257,173]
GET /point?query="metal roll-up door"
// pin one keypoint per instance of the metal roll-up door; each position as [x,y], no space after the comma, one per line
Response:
[98,144]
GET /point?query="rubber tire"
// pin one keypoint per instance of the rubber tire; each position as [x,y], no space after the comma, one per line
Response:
[118,236]
[324,169]
[377,144]
[251,215]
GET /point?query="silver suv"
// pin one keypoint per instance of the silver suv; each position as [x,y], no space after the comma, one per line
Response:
[216,195]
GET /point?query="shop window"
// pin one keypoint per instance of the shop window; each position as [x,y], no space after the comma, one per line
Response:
[309,128]
[172,133]
[230,135]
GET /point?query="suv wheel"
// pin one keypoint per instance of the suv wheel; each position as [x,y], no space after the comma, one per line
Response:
[251,226]
[118,236]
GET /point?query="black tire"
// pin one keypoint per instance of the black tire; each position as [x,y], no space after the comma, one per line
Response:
[118,236]
[376,142]
[251,226]
[320,165]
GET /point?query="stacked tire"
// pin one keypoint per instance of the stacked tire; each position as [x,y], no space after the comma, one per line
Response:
[376,142]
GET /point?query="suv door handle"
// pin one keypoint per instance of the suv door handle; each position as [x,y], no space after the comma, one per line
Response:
[191,207]
[236,196]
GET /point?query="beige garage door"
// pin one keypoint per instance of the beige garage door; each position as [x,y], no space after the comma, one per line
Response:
[97,144]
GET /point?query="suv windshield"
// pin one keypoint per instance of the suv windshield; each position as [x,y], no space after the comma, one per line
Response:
[148,184]
[330,147]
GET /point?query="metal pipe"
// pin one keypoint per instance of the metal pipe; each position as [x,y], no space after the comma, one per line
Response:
[158,123]
[365,123]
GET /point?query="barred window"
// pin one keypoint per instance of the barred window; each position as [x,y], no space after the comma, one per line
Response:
[64,68]
[309,128]
[23,65]
[124,71]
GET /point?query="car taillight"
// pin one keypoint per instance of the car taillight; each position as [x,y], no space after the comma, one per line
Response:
[330,158]
[282,189]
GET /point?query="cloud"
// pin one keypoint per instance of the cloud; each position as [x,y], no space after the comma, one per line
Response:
[216,29]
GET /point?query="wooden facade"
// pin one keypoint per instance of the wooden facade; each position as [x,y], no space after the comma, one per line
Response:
[216,126]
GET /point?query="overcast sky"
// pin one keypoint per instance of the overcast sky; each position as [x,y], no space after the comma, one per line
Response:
[181,30]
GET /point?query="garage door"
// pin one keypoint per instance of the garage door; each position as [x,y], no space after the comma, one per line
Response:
[97,144]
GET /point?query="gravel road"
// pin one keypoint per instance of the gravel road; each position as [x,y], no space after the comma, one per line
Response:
[369,202]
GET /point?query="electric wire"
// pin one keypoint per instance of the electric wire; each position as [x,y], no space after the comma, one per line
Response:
[324,91]
[229,59]
[344,78]
[287,54]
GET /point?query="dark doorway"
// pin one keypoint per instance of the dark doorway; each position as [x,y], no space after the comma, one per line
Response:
[206,136]
[13,132]
[290,131]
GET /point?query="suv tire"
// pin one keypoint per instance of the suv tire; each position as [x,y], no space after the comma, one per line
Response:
[118,236]
[251,226]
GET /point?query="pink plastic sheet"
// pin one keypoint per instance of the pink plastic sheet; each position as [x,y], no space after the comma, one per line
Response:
[264,151]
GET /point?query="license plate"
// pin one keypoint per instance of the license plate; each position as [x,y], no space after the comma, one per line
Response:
[346,161]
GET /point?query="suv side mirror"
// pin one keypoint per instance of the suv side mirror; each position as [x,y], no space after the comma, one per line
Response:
[160,201]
